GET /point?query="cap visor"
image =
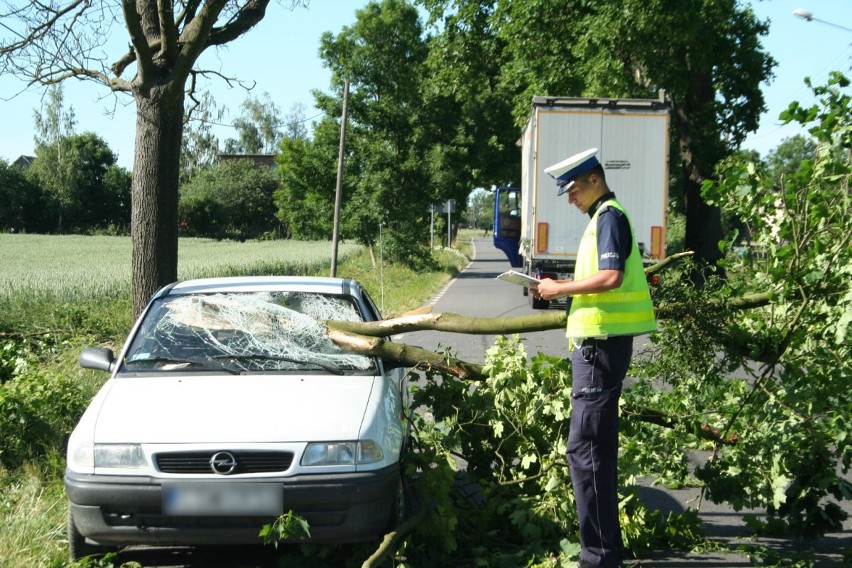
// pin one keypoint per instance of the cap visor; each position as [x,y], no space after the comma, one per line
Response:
[565,188]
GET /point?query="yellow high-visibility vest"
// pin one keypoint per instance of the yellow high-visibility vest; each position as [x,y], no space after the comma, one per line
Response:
[626,310]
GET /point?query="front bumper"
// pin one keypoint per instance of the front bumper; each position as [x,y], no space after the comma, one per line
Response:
[125,510]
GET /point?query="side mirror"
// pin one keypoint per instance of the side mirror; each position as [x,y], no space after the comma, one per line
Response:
[98,358]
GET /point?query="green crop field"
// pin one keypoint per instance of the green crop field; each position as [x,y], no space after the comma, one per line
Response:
[72,266]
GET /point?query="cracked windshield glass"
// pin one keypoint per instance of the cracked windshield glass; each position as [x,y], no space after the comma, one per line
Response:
[267,331]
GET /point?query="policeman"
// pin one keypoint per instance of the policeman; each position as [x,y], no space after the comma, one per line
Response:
[610,303]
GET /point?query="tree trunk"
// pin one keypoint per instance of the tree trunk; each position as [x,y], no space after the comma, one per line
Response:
[156,170]
[699,149]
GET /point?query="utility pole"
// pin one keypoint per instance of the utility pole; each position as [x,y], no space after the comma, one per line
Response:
[338,195]
[449,223]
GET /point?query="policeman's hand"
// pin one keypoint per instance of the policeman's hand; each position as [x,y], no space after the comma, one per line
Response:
[546,289]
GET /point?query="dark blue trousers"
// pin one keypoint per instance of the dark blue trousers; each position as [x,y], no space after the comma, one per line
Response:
[598,370]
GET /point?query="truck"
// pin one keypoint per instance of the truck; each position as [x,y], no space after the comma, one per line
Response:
[540,233]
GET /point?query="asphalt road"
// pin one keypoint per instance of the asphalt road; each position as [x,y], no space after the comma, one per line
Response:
[477,292]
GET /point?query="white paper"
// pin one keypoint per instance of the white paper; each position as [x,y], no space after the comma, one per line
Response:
[520,278]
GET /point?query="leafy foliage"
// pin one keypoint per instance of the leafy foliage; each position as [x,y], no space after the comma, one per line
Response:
[307,176]
[514,504]
[75,184]
[37,410]
[22,200]
[383,55]
[258,127]
[233,200]
[795,413]
[199,146]
[286,527]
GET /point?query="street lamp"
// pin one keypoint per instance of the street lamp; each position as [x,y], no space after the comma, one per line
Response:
[807,15]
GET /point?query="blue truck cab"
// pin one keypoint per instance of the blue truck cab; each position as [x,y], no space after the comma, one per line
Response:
[507,223]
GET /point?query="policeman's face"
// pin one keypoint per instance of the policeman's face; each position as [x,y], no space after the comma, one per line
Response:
[581,195]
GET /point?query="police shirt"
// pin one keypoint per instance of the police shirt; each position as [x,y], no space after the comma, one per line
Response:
[614,236]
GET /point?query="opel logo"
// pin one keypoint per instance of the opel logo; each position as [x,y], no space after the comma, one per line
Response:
[223,463]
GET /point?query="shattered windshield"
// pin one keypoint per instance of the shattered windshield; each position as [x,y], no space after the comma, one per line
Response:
[244,332]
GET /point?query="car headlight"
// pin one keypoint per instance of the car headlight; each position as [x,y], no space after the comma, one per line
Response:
[341,453]
[119,456]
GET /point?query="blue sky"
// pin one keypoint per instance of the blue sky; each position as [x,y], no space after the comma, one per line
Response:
[280,56]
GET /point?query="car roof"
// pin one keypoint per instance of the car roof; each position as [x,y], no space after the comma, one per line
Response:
[317,284]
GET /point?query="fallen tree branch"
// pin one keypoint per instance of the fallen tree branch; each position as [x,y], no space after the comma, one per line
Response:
[703,430]
[456,323]
[453,323]
[663,264]
[407,355]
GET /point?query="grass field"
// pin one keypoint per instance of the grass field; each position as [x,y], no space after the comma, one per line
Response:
[71,265]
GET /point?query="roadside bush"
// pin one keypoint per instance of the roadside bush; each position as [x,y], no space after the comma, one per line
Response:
[232,200]
[37,413]
[12,359]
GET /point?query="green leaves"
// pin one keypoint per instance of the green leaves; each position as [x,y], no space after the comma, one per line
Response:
[796,208]
[289,526]
[37,412]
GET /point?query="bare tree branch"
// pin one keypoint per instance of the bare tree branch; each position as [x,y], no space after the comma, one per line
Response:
[45,28]
[246,19]
[141,49]
[168,30]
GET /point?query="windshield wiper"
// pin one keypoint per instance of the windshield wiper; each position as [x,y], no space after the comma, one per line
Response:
[205,365]
[333,369]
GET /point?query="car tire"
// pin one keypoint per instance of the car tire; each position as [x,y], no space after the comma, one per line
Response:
[77,544]
[398,508]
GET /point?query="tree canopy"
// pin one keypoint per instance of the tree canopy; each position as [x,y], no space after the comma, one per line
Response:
[233,199]
[258,127]
[707,56]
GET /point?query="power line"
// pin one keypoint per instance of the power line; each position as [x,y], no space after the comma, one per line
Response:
[277,125]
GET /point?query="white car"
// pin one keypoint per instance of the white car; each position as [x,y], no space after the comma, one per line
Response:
[229,406]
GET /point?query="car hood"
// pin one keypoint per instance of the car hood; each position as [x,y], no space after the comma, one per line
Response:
[244,408]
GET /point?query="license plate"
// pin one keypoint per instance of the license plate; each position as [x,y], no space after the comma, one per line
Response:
[231,498]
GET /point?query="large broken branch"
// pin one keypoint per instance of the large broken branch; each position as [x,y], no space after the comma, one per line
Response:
[408,355]
[456,323]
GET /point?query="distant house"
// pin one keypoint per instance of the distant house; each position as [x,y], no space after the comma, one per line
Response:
[260,160]
[24,162]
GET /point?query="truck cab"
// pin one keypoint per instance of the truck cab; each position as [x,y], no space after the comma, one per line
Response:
[507,223]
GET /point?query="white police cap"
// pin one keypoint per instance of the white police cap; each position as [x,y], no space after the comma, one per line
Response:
[565,171]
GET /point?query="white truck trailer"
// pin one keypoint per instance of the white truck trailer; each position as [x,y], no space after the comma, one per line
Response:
[541,232]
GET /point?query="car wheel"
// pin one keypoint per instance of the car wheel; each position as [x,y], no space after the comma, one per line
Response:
[77,543]
[400,503]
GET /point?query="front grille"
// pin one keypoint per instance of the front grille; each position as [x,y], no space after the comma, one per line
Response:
[247,462]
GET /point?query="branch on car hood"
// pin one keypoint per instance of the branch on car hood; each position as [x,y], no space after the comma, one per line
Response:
[408,355]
